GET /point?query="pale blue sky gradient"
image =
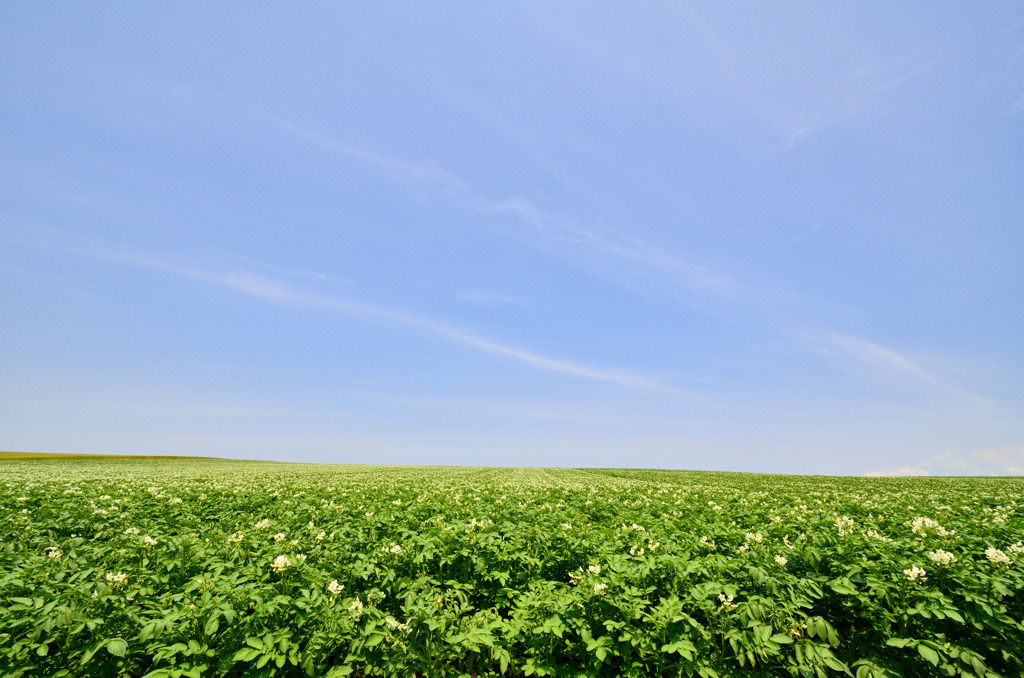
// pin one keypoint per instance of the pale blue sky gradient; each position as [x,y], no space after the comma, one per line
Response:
[712,236]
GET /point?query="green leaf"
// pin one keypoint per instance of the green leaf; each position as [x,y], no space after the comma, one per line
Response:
[212,624]
[246,654]
[898,642]
[117,647]
[781,638]
[929,654]
[841,587]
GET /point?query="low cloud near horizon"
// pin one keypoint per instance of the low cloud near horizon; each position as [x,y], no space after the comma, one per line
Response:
[994,461]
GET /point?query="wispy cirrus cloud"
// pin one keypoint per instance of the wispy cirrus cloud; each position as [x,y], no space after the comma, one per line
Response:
[277,291]
[862,357]
[548,231]
[864,352]
[625,258]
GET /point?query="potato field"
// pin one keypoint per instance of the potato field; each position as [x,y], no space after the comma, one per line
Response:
[221,568]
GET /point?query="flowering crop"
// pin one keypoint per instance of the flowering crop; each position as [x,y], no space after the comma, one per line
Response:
[166,568]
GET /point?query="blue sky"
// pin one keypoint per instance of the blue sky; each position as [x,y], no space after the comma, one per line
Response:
[719,236]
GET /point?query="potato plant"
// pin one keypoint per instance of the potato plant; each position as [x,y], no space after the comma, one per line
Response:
[167,569]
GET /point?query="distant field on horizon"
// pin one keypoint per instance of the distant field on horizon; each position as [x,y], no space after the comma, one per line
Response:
[58,455]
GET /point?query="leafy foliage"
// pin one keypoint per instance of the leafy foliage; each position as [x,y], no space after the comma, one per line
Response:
[169,569]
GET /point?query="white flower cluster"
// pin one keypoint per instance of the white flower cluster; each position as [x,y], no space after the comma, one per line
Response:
[262,525]
[785,540]
[566,526]
[117,579]
[391,548]
[149,541]
[726,602]
[752,538]
[996,556]
[53,552]
[943,558]
[132,530]
[636,550]
[600,588]
[236,538]
[394,624]
[475,524]
[281,563]
[845,525]
[915,574]
[872,534]
[634,527]
[356,607]
[920,524]
[280,536]
[709,544]
[594,569]
[781,561]
[1017,548]
[321,536]
[335,588]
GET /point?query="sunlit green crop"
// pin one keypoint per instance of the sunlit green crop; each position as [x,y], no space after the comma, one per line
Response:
[209,568]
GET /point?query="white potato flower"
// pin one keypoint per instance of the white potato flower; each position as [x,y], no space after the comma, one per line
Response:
[996,556]
[845,525]
[940,557]
[915,574]
[116,579]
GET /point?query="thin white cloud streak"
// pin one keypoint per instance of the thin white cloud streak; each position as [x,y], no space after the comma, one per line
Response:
[625,248]
[269,290]
[852,102]
[869,353]
[405,169]
[304,274]
[884,361]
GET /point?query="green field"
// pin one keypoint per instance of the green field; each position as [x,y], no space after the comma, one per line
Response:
[222,568]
